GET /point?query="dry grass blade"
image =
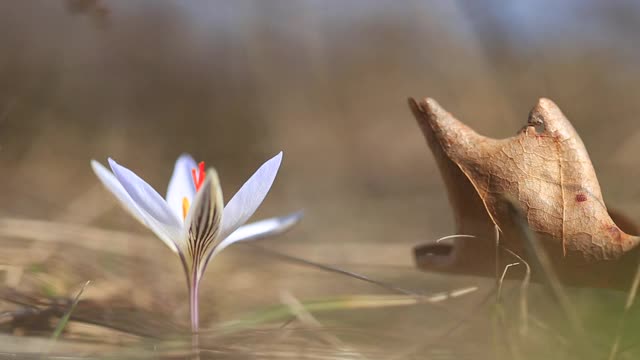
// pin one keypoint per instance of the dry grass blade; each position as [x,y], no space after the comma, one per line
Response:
[353,302]
[544,268]
[501,281]
[524,287]
[497,255]
[306,318]
[454,236]
[92,238]
[631,297]
[35,311]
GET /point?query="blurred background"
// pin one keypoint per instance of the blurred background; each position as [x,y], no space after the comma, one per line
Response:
[235,82]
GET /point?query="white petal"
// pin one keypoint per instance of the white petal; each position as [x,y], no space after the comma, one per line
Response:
[203,221]
[165,233]
[181,184]
[258,230]
[246,201]
[263,228]
[169,234]
[112,184]
[145,196]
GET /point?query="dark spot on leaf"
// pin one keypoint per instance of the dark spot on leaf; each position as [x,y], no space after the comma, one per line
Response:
[581,198]
[614,232]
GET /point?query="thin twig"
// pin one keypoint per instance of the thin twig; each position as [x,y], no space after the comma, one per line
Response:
[328,268]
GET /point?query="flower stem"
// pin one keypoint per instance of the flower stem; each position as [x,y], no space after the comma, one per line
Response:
[193,310]
[193,306]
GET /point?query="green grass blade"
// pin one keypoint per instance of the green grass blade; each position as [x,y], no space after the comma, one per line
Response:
[65,319]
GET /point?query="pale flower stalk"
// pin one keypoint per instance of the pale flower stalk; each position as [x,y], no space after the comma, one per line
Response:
[192,220]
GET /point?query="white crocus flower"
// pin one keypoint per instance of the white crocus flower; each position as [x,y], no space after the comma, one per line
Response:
[191,220]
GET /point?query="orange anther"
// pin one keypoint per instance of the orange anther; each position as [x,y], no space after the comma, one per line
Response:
[185,207]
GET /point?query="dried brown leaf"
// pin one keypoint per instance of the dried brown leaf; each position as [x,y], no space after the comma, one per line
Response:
[546,171]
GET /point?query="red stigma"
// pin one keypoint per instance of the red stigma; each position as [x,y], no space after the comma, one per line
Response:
[198,175]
